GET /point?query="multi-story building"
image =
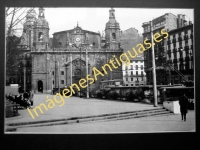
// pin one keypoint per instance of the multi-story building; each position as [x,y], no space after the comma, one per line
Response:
[173,55]
[179,49]
[134,74]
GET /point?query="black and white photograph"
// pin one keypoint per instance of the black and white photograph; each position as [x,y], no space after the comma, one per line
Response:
[99,70]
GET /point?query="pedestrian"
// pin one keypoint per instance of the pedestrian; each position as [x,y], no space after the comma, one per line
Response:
[183,102]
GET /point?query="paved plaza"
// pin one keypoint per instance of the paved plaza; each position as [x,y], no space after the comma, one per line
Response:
[75,106]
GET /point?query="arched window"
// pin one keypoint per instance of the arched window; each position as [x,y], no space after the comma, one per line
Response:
[40,36]
[113,36]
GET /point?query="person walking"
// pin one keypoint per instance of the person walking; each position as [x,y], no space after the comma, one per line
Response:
[183,102]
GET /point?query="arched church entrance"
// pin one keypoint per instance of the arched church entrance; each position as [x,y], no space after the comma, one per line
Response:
[40,86]
[78,71]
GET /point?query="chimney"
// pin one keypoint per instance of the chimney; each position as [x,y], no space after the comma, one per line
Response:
[179,21]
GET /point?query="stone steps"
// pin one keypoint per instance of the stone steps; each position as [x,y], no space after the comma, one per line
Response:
[81,119]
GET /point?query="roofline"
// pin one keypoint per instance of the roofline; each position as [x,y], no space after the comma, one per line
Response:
[65,31]
[177,29]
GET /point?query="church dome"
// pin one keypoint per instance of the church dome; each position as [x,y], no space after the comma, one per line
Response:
[30,17]
[42,22]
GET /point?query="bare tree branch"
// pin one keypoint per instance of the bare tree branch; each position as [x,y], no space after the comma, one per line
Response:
[9,29]
[23,17]
[19,17]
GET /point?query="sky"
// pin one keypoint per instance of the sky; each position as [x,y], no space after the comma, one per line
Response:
[95,19]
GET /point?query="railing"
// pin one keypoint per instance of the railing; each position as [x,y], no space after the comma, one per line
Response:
[179,73]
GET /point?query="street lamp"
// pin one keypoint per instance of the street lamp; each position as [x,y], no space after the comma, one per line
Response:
[153,67]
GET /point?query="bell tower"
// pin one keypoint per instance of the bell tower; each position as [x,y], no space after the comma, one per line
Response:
[112,31]
[41,28]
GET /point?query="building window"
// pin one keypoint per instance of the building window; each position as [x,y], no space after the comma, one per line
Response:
[52,72]
[126,79]
[175,55]
[131,72]
[126,67]
[113,36]
[126,84]
[141,67]
[136,73]
[142,73]
[180,44]
[174,45]
[181,54]
[53,81]
[131,84]
[168,47]
[181,67]
[136,67]
[62,72]
[131,79]
[186,43]
[62,82]
[126,72]
[40,36]
[136,61]
[131,67]
[142,79]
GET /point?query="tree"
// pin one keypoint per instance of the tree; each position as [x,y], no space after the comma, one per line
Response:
[15,17]
[12,52]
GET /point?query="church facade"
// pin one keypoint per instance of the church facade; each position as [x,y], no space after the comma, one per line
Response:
[69,56]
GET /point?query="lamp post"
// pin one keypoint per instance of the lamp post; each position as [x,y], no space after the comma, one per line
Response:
[153,67]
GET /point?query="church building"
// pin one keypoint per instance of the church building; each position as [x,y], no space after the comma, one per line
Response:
[62,61]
